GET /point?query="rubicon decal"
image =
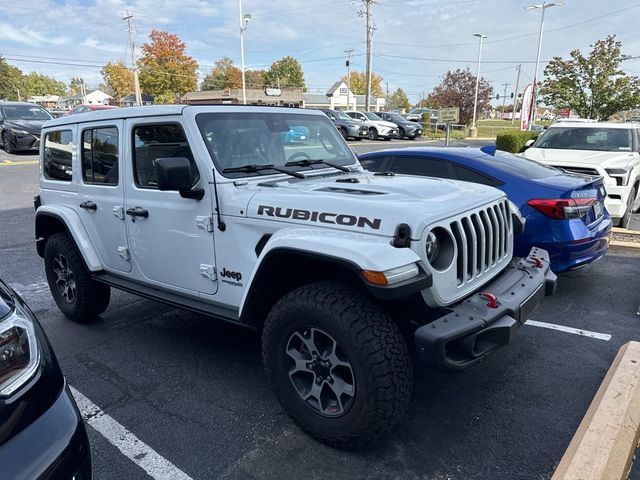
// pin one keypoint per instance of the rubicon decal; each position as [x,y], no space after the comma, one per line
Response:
[321,217]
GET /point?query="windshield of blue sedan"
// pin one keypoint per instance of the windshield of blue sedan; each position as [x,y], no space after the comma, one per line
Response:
[25,112]
[243,138]
[581,138]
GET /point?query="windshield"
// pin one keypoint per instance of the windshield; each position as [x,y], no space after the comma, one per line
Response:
[342,115]
[25,112]
[584,138]
[244,138]
[396,117]
[371,116]
[519,166]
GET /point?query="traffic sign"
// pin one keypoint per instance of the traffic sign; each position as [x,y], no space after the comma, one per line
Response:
[449,115]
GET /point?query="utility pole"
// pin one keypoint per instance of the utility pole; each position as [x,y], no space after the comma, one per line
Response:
[504,97]
[19,97]
[244,21]
[136,84]
[387,89]
[481,36]
[515,96]
[348,65]
[367,13]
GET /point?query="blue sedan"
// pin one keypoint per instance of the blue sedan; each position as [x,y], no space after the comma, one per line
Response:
[564,212]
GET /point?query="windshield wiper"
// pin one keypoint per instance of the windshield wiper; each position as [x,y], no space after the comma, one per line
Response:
[307,162]
[256,168]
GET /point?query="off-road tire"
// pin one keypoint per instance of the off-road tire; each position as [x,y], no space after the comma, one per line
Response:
[91,298]
[374,346]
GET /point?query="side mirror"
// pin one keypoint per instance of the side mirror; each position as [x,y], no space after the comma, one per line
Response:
[528,143]
[174,174]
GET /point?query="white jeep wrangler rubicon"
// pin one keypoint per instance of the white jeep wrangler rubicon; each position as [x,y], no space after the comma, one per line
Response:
[227,211]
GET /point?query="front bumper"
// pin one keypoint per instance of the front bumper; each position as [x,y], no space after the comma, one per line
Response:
[391,133]
[616,201]
[54,446]
[472,329]
[26,142]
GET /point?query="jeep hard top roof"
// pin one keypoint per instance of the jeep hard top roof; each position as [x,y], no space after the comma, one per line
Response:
[159,110]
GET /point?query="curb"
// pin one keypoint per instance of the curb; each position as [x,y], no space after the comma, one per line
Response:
[625,231]
[604,444]
[619,243]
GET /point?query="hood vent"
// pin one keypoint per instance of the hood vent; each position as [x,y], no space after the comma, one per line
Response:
[348,180]
[350,191]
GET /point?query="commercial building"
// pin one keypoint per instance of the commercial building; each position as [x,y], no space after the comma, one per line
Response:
[341,98]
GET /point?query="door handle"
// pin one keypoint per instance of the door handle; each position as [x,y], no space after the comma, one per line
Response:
[89,205]
[137,212]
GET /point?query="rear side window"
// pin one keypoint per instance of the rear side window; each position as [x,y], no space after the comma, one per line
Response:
[372,164]
[151,142]
[100,156]
[469,175]
[58,153]
[428,167]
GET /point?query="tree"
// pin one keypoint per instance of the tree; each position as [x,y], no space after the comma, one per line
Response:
[457,89]
[223,75]
[166,71]
[285,72]
[594,86]
[255,78]
[359,84]
[37,84]
[119,79]
[398,100]
[74,85]
[10,81]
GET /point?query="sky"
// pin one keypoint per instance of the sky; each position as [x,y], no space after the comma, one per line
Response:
[415,42]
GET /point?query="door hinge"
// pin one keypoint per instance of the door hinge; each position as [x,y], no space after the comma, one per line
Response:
[208,271]
[205,223]
[118,212]
[124,253]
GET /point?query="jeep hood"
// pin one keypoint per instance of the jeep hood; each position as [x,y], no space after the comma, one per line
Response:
[558,157]
[365,203]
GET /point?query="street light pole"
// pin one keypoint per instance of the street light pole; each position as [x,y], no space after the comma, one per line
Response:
[244,20]
[475,99]
[544,7]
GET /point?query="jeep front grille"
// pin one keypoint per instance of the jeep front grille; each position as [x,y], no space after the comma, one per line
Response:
[482,239]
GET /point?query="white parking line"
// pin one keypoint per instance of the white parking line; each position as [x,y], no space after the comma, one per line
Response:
[576,331]
[129,445]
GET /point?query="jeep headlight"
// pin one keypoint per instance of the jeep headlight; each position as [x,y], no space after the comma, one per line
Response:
[439,248]
[19,352]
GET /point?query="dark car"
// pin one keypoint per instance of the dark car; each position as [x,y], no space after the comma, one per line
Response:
[564,212]
[89,108]
[41,431]
[347,126]
[20,125]
[406,129]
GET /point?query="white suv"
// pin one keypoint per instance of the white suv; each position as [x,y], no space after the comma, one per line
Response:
[212,209]
[378,128]
[608,149]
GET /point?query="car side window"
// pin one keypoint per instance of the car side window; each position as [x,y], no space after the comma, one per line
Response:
[428,167]
[372,164]
[58,154]
[469,175]
[100,156]
[154,141]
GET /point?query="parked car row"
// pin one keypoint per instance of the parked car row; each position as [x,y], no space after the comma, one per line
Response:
[373,125]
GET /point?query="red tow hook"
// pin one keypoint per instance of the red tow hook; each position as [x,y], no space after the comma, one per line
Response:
[493,300]
[537,262]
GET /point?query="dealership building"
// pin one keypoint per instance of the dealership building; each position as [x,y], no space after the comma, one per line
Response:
[337,97]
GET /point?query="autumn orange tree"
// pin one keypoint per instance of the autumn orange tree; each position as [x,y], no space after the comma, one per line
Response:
[118,78]
[359,84]
[166,71]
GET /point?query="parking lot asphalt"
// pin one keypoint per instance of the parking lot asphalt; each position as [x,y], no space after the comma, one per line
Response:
[193,389]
